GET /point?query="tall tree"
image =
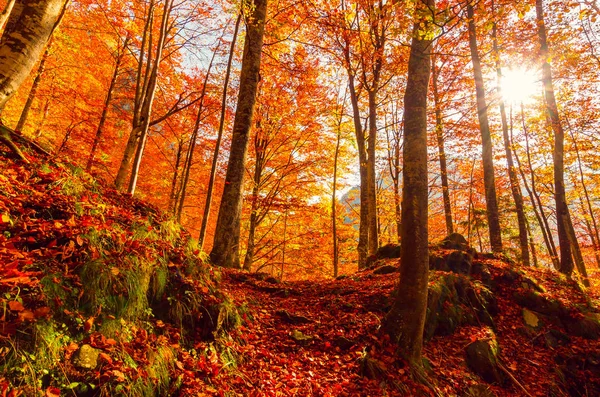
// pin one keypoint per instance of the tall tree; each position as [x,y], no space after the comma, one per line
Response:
[406,319]
[225,251]
[486,138]
[29,26]
[562,209]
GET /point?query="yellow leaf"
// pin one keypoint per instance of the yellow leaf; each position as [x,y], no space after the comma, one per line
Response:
[5,218]
[115,271]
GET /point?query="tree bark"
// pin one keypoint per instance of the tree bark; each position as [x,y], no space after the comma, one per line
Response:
[405,321]
[27,31]
[5,13]
[565,241]
[371,171]
[489,182]
[215,159]
[34,88]
[439,133]
[225,251]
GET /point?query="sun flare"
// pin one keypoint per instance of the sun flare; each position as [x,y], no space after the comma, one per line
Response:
[519,85]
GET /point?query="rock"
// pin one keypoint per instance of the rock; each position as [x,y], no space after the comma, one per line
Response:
[537,302]
[585,325]
[292,318]
[460,262]
[482,271]
[455,241]
[86,357]
[438,262]
[388,251]
[531,319]
[271,280]
[386,269]
[298,336]
[482,358]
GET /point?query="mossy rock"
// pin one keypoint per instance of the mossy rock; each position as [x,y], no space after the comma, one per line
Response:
[386,269]
[482,359]
[481,271]
[86,357]
[585,325]
[455,241]
[454,300]
[537,302]
[388,251]
[437,261]
[460,262]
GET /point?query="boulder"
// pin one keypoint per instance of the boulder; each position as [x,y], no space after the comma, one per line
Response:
[455,241]
[388,251]
[386,269]
[86,357]
[482,358]
[585,325]
[460,262]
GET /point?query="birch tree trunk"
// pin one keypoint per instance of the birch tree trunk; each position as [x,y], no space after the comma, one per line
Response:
[225,251]
[27,31]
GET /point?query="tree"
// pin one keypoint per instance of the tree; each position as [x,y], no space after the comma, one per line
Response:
[29,26]
[405,320]
[486,139]
[225,250]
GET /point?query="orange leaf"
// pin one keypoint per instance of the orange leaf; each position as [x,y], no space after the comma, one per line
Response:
[88,324]
[15,306]
[26,315]
[41,312]
[106,358]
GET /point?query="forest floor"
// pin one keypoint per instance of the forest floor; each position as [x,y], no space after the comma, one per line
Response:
[85,268]
[340,320]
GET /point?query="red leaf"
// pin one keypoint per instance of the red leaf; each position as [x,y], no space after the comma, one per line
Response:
[16,306]
[52,392]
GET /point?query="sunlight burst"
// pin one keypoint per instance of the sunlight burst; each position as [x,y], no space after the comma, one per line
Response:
[520,85]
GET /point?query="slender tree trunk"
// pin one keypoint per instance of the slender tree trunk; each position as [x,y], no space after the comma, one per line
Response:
[532,246]
[29,26]
[512,173]
[149,100]
[393,147]
[174,196]
[103,116]
[534,197]
[406,319]
[225,250]
[260,146]
[439,133]
[565,240]
[371,173]
[5,13]
[192,147]
[333,195]
[34,88]
[594,233]
[215,159]
[363,231]
[489,182]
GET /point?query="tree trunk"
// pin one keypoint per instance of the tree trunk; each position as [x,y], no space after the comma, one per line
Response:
[566,242]
[225,251]
[174,195]
[439,133]
[333,194]
[27,31]
[5,13]
[486,140]
[215,159]
[406,319]
[149,98]
[371,173]
[34,88]
[536,203]
[512,174]
[109,95]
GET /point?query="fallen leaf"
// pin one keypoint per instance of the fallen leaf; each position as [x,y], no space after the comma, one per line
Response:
[16,306]
[52,392]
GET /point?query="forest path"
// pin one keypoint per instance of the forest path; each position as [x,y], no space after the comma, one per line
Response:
[307,338]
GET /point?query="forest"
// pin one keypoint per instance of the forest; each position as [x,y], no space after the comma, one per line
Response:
[299,197]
